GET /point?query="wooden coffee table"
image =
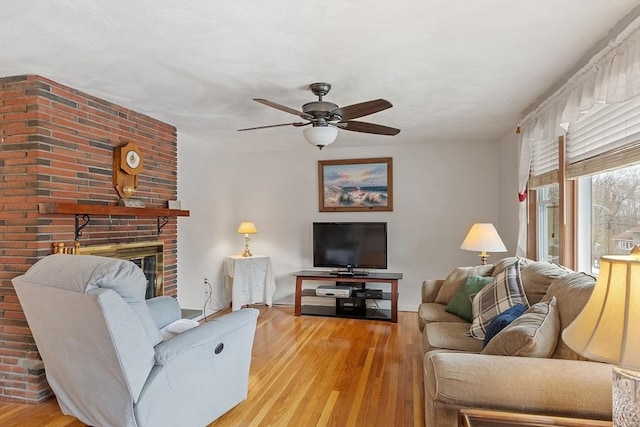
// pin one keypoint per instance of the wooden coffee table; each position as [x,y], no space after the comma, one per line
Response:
[490,418]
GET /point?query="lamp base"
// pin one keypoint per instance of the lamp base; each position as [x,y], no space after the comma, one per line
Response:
[247,252]
[626,397]
[483,257]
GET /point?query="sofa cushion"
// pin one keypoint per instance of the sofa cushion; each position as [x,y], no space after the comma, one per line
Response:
[457,277]
[537,276]
[501,265]
[503,320]
[503,292]
[460,304]
[433,312]
[533,334]
[572,291]
[450,336]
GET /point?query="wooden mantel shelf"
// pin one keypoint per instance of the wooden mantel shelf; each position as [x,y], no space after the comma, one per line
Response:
[86,210]
[90,209]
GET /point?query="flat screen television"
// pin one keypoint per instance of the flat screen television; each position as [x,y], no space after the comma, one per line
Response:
[350,245]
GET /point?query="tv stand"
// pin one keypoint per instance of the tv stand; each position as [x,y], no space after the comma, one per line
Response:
[353,307]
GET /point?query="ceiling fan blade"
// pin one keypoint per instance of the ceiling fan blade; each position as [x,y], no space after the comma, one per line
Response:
[368,128]
[296,124]
[283,108]
[363,109]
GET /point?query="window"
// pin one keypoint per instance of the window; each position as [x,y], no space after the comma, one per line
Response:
[601,214]
[611,204]
[596,117]
[548,232]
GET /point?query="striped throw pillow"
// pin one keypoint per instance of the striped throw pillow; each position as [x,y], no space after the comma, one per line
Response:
[500,294]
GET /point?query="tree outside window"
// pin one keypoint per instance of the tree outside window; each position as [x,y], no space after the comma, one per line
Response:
[615,212]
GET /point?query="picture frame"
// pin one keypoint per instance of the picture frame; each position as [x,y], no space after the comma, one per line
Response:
[355,185]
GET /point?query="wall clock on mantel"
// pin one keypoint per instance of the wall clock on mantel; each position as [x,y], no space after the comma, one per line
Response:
[127,164]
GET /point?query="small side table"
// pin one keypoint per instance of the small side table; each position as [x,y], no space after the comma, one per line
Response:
[489,418]
[251,280]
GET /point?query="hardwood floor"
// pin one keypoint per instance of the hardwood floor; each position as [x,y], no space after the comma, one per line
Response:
[310,371]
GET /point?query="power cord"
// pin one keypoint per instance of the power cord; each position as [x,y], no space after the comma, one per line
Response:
[209,300]
[207,283]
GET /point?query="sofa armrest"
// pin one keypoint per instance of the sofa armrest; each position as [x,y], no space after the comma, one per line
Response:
[164,310]
[206,336]
[430,289]
[530,385]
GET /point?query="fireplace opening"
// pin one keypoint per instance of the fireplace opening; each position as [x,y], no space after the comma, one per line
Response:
[146,255]
[148,266]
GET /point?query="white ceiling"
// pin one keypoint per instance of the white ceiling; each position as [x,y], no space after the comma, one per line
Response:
[456,71]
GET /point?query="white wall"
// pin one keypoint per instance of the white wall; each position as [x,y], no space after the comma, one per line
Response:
[440,190]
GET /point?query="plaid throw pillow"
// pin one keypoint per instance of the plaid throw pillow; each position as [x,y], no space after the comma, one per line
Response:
[499,295]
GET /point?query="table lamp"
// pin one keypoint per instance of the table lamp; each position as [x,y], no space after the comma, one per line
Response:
[608,330]
[247,228]
[483,238]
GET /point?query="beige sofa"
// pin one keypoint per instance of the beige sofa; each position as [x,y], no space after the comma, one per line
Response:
[458,373]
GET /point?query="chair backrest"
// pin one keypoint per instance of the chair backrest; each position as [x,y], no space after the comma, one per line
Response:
[97,351]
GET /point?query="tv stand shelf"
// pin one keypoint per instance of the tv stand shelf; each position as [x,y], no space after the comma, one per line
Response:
[352,307]
[386,296]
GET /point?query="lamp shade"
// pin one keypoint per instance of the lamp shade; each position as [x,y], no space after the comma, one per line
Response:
[608,327]
[247,227]
[320,136]
[483,237]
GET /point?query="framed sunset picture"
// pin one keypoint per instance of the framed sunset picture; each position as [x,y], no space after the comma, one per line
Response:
[356,185]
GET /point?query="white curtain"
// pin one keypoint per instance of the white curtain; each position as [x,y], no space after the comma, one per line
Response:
[524,163]
[611,76]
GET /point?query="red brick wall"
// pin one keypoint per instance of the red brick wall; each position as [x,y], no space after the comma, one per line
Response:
[56,145]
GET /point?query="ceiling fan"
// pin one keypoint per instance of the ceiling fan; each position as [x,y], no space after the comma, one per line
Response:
[326,118]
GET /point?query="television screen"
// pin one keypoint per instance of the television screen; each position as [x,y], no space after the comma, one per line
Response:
[350,244]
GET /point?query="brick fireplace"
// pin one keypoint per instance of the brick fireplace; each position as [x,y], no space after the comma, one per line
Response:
[56,145]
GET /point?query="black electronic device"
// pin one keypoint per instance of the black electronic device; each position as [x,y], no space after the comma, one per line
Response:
[368,293]
[350,245]
[351,306]
[349,272]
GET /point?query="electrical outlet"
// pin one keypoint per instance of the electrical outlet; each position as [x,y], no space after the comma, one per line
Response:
[210,298]
[207,287]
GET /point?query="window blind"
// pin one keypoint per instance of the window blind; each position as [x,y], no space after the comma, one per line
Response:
[607,137]
[544,162]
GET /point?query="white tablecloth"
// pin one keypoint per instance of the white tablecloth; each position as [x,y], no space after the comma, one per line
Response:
[251,278]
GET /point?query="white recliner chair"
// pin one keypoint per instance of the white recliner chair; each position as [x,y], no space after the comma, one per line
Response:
[104,356]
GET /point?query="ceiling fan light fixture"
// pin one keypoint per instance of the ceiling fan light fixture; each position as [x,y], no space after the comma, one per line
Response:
[320,136]
[326,117]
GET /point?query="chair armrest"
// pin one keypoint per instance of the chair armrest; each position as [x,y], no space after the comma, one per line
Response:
[521,384]
[164,310]
[209,334]
[430,289]
[190,374]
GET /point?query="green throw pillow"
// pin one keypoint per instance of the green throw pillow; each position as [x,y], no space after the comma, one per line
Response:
[460,304]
